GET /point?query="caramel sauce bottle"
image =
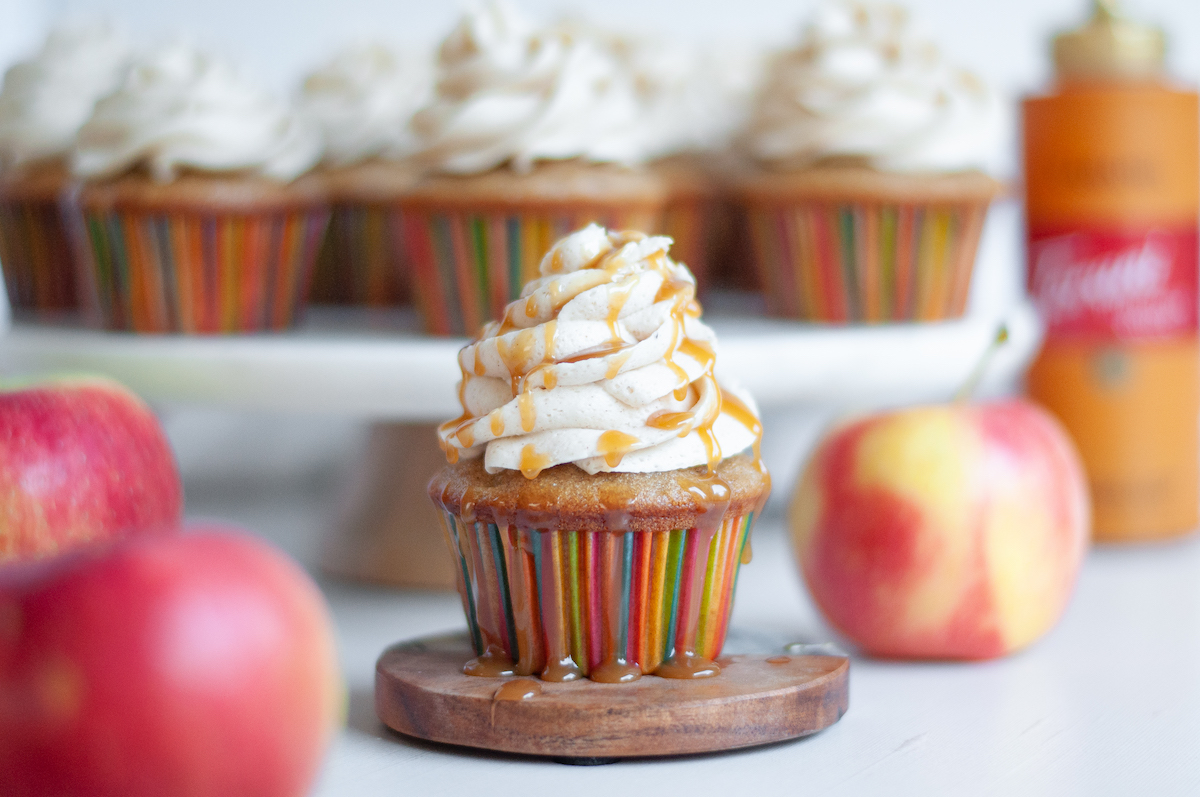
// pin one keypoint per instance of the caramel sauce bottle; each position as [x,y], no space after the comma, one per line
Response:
[1112,176]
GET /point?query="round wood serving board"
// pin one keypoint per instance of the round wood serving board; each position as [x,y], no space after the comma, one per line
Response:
[420,690]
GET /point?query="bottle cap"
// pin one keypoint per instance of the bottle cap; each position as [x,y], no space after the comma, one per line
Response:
[1109,46]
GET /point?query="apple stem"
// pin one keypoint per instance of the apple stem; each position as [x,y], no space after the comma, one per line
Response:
[968,389]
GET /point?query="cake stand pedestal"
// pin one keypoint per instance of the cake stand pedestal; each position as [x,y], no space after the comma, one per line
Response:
[421,691]
[389,531]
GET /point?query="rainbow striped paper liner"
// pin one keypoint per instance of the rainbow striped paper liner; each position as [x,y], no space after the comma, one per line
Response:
[468,265]
[693,226]
[540,595]
[361,261]
[866,263]
[39,271]
[198,272]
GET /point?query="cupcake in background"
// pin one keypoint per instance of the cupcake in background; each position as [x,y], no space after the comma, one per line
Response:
[44,101]
[191,217]
[871,192]
[693,100]
[531,133]
[363,100]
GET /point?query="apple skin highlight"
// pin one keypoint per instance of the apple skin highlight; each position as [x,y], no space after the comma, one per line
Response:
[194,664]
[81,461]
[944,532]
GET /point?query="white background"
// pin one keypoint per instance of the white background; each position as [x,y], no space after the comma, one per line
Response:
[1005,41]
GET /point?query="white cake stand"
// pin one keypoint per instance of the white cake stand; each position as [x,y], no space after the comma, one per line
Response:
[377,367]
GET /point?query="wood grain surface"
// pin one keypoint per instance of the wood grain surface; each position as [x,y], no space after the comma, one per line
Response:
[420,691]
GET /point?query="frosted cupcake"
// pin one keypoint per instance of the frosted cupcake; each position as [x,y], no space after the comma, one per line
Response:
[44,101]
[600,494]
[363,100]
[872,192]
[693,100]
[191,218]
[531,133]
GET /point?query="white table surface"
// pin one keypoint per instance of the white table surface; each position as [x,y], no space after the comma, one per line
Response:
[1107,703]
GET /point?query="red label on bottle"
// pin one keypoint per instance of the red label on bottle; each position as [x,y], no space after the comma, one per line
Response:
[1116,285]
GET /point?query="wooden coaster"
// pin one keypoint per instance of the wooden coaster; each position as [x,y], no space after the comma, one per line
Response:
[420,690]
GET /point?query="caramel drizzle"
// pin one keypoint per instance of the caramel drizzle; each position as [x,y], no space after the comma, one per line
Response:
[614,445]
[528,411]
[532,462]
[519,359]
[616,303]
[688,421]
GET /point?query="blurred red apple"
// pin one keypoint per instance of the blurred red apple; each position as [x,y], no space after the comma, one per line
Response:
[199,664]
[81,461]
[946,532]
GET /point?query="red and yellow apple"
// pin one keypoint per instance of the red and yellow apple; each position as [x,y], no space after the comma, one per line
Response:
[199,664]
[943,532]
[81,461]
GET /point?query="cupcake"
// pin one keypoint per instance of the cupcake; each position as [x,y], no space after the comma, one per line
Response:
[600,491]
[530,134]
[693,101]
[363,100]
[871,192]
[190,217]
[43,103]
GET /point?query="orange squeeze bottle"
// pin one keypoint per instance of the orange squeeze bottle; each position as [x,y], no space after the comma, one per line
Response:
[1112,178]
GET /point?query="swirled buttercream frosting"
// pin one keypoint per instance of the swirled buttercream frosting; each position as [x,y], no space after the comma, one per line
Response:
[46,98]
[508,92]
[692,98]
[603,362]
[863,86]
[178,109]
[363,100]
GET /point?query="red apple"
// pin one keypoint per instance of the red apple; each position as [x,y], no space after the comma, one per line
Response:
[945,532]
[81,461]
[199,664]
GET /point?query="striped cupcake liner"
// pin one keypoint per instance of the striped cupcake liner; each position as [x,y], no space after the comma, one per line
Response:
[693,225]
[467,266]
[361,260]
[39,270]
[199,272]
[545,599]
[866,263]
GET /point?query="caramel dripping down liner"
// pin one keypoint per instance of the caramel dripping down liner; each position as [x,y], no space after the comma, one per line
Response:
[463,576]
[663,592]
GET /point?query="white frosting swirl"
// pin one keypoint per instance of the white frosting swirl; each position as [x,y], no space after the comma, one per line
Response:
[692,98]
[603,362]
[180,108]
[863,86]
[46,98]
[363,100]
[509,93]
